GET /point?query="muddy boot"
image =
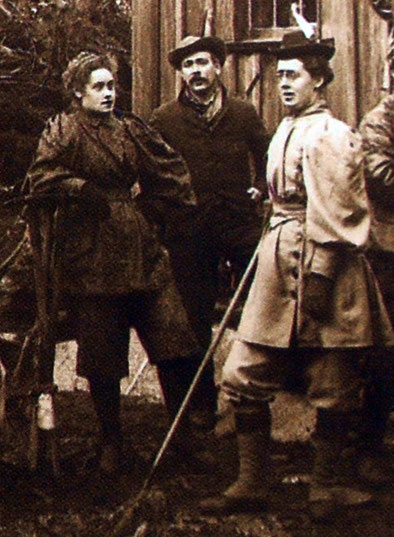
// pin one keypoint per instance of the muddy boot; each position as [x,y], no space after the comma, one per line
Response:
[105,393]
[250,489]
[334,479]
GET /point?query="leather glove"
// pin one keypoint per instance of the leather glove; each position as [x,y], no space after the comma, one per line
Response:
[318,296]
[96,201]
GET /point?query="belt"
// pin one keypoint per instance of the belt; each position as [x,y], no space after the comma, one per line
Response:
[283,212]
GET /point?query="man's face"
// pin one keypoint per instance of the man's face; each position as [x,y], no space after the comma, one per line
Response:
[99,92]
[297,88]
[200,71]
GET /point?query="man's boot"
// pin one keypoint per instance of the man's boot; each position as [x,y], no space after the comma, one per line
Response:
[250,489]
[105,393]
[334,479]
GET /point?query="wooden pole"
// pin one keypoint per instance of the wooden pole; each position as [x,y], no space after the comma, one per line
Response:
[47,232]
[132,505]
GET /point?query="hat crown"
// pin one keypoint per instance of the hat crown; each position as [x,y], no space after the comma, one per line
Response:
[187,41]
[191,44]
[296,39]
[295,44]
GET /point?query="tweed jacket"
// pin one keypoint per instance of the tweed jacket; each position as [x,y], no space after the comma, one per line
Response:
[377,130]
[320,223]
[120,254]
[217,152]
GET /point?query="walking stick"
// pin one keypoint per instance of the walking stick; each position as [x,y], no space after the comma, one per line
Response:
[47,238]
[131,505]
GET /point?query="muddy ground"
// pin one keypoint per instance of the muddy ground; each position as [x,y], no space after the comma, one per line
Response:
[81,504]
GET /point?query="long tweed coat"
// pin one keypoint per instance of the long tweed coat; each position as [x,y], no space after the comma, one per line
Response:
[320,222]
[120,254]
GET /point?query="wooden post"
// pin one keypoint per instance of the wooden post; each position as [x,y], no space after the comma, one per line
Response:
[343,92]
[145,52]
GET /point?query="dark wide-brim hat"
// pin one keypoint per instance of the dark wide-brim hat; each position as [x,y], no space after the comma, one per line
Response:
[191,44]
[296,45]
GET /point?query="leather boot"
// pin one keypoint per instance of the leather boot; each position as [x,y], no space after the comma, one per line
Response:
[334,480]
[105,393]
[250,489]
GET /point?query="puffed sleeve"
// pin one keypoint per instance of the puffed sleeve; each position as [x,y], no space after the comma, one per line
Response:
[50,169]
[378,145]
[338,213]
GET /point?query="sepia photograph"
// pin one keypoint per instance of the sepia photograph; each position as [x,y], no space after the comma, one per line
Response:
[196,268]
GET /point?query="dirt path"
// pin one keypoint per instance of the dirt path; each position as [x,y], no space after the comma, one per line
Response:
[80,504]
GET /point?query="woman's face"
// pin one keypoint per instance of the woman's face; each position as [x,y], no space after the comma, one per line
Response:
[297,88]
[99,92]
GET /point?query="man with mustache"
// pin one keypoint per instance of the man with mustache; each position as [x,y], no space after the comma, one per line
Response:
[216,135]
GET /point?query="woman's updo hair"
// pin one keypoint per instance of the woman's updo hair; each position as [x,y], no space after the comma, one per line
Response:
[318,66]
[78,70]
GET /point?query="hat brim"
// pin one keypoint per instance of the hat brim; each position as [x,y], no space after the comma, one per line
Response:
[324,50]
[212,44]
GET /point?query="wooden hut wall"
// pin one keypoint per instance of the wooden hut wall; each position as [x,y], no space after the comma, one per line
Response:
[158,25]
[361,40]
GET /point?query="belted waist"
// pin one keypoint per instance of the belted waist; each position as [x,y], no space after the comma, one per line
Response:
[283,212]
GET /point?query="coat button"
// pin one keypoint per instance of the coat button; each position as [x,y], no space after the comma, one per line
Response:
[294,273]
[293,294]
[297,254]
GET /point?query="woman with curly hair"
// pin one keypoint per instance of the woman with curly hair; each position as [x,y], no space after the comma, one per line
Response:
[116,270]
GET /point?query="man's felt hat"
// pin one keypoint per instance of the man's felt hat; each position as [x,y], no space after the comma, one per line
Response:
[191,44]
[296,45]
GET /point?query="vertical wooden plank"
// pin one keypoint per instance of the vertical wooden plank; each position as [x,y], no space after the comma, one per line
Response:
[372,36]
[194,14]
[271,108]
[233,19]
[167,42]
[145,47]
[180,32]
[229,74]
[225,19]
[338,21]
[248,70]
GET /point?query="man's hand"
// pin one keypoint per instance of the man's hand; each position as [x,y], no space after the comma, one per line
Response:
[254,193]
[318,296]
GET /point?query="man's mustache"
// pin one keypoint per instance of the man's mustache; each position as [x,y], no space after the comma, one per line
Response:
[198,79]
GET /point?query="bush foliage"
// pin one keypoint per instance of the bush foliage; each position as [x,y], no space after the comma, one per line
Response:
[39,37]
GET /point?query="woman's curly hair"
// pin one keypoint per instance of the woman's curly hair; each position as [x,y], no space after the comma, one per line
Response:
[78,70]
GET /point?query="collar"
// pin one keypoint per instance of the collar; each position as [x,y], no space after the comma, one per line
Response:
[205,110]
[315,108]
[96,119]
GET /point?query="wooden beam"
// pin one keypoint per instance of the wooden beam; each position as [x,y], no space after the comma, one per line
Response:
[343,92]
[194,14]
[372,57]
[167,43]
[232,19]
[145,56]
